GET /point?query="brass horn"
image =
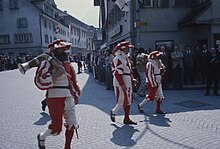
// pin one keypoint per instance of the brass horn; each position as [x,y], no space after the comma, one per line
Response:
[37,60]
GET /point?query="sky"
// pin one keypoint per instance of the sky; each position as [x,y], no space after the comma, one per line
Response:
[83,10]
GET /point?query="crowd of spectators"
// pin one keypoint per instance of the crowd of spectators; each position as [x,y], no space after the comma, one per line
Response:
[11,62]
[98,63]
[184,66]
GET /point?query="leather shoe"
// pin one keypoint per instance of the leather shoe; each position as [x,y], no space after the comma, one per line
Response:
[112,116]
[160,112]
[206,94]
[40,142]
[140,109]
[43,104]
[216,94]
[141,95]
[129,122]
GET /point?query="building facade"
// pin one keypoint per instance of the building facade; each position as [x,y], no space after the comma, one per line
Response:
[35,24]
[152,23]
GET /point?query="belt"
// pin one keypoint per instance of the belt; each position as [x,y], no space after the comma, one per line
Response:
[157,74]
[128,74]
[62,87]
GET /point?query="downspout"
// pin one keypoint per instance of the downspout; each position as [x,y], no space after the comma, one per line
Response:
[137,13]
[41,42]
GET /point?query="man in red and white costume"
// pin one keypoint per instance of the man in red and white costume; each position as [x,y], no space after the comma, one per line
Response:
[154,70]
[62,93]
[122,81]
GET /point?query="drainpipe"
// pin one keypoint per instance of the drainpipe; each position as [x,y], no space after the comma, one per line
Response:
[137,13]
[41,42]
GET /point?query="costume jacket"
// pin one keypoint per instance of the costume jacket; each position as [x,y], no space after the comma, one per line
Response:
[122,75]
[153,72]
[153,79]
[64,85]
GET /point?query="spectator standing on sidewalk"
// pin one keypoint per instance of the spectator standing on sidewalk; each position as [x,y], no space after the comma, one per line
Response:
[101,66]
[177,67]
[188,62]
[213,72]
[79,65]
[154,72]
[61,89]
[108,70]
[204,57]
[197,63]
[133,55]
[165,57]
[141,61]
[122,81]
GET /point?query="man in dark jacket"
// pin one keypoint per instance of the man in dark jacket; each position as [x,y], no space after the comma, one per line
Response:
[213,71]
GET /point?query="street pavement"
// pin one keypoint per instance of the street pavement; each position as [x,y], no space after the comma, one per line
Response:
[192,122]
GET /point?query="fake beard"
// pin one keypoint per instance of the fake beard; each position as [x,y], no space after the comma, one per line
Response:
[61,56]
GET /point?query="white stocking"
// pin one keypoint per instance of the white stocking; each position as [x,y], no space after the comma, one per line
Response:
[43,135]
[116,108]
[143,102]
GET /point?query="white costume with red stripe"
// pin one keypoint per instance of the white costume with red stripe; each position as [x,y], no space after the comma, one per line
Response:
[154,69]
[153,74]
[122,75]
[44,81]
[62,88]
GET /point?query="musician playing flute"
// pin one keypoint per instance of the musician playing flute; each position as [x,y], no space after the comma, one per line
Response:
[62,93]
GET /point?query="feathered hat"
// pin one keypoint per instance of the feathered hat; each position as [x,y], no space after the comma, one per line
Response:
[122,45]
[154,54]
[59,44]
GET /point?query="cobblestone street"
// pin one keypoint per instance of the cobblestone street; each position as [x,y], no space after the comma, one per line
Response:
[192,122]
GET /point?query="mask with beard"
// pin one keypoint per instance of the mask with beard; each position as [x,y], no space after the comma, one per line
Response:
[61,56]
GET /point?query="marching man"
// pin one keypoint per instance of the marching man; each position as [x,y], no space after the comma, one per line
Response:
[122,81]
[154,70]
[61,96]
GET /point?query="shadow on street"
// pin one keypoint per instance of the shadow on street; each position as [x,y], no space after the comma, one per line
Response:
[127,132]
[43,120]
[175,101]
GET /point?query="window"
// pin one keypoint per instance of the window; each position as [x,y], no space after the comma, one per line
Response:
[4,39]
[45,23]
[48,10]
[154,3]
[50,26]
[74,31]
[46,39]
[167,43]
[54,27]
[118,13]
[23,38]
[181,3]
[13,4]
[50,39]
[1,5]
[22,23]
[197,2]
[164,3]
[56,15]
